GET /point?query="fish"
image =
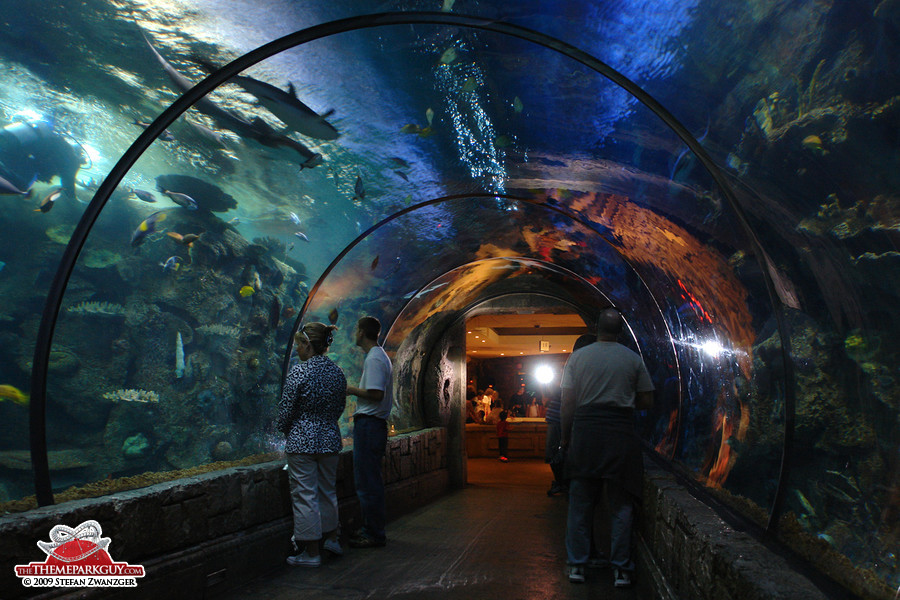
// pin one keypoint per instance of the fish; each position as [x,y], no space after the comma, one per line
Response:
[144,195]
[285,105]
[447,6]
[470,84]
[401,175]
[9,189]
[246,291]
[206,132]
[2,264]
[291,246]
[429,116]
[8,392]
[182,84]
[359,190]
[410,128]
[32,152]
[182,200]
[165,136]
[333,316]
[448,56]
[518,107]
[185,240]
[408,199]
[146,227]
[302,236]
[295,219]
[49,200]
[399,162]
[814,144]
[234,221]
[263,133]
[375,263]
[173,263]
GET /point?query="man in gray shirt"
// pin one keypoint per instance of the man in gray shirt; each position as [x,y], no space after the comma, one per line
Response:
[603,383]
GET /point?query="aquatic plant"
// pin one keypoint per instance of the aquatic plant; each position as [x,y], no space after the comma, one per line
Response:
[805,97]
[97,308]
[131,395]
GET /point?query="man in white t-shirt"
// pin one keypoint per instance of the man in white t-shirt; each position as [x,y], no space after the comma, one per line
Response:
[370,433]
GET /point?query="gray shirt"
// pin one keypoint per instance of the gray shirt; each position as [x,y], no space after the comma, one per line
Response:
[606,374]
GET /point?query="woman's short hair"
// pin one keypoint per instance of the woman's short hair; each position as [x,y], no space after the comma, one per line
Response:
[320,336]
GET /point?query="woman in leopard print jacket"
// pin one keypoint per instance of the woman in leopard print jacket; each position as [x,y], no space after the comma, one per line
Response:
[314,397]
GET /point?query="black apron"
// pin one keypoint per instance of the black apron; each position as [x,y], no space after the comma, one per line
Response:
[604,445]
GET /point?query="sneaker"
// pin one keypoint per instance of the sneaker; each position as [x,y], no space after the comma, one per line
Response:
[304,560]
[623,579]
[555,488]
[333,546]
[576,574]
[365,541]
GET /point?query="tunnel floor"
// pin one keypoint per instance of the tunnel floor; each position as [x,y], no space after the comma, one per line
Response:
[500,537]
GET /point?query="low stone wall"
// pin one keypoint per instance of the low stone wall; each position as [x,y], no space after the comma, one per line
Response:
[198,535]
[701,557]
[527,438]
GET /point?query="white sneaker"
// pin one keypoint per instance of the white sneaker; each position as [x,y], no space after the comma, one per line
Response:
[304,560]
[576,574]
[623,579]
[334,546]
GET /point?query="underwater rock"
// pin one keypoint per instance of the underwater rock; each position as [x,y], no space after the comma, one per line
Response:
[63,361]
[100,258]
[60,234]
[208,196]
[222,451]
[135,446]
[59,460]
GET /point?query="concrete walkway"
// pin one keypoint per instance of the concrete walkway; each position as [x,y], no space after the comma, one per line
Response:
[500,537]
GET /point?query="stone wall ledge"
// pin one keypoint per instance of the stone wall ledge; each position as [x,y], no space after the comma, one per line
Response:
[215,529]
[702,557]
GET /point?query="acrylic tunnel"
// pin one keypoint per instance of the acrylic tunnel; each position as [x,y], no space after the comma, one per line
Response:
[183,184]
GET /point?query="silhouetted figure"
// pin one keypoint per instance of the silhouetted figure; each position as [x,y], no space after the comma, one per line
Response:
[602,385]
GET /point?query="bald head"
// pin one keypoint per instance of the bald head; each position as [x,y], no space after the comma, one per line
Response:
[609,323]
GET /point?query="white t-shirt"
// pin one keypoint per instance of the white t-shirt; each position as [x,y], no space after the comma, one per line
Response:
[376,375]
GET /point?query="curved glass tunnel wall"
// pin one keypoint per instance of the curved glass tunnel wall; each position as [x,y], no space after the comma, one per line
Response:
[827,228]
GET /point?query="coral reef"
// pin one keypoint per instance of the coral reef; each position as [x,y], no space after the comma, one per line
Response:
[107,309]
[219,329]
[132,396]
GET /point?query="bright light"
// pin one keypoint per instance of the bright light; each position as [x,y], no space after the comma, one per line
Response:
[713,348]
[543,374]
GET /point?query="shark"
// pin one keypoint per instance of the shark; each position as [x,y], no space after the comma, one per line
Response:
[283,104]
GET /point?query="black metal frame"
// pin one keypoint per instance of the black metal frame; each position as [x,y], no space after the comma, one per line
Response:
[37,415]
